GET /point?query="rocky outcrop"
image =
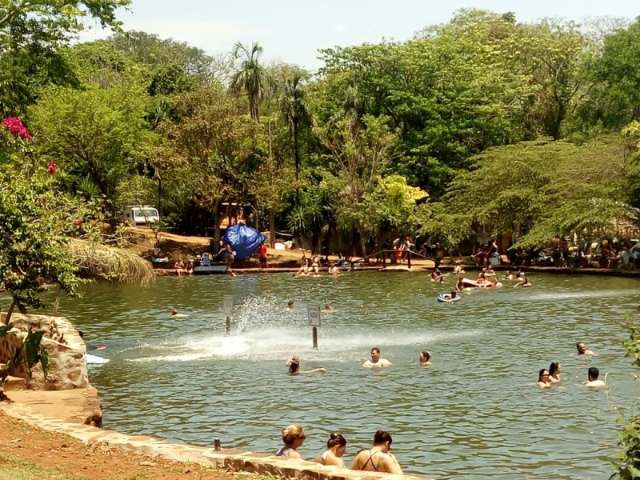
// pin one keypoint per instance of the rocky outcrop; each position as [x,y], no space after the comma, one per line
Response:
[65,348]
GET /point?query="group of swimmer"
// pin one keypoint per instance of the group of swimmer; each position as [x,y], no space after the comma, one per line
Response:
[310,266]
[378,458]
[376,361]
[550,377]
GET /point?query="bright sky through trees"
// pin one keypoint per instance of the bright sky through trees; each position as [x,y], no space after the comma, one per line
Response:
[293,31]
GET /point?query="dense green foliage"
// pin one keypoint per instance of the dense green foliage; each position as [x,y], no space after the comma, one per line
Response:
[627,463]
[478,127]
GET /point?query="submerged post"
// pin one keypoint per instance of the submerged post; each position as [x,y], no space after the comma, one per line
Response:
[313,312]
[228,311]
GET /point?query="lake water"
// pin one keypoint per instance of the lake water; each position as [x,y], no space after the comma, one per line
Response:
[476,412]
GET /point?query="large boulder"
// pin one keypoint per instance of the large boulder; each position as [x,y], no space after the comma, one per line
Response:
[64,346]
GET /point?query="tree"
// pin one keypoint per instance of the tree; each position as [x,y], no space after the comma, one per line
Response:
[98,136]
[33,245]
[294,111]
[214,140]
[31,34]
[359,151]
[537,190]
[615,70]
[250,76]
[270,183]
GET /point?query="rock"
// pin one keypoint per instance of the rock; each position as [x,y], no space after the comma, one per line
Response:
[67,361]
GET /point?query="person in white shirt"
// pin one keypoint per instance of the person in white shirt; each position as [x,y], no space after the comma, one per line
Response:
[376,361]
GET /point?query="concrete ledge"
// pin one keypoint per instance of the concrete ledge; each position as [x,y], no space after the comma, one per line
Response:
[230,459]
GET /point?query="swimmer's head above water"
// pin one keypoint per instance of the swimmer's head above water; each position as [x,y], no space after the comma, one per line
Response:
[294,364]
[425,357]
[290,304]
[375,354]
[593,373]
[382,439]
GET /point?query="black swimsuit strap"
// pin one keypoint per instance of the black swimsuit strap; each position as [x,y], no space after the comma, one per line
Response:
[370,459]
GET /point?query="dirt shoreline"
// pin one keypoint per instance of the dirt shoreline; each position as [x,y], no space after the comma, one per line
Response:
[27,452]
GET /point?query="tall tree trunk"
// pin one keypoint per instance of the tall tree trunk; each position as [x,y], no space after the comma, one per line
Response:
[272,229]
[7,318]
[216,224]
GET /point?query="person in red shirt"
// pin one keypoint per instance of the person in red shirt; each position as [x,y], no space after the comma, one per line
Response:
[262,255]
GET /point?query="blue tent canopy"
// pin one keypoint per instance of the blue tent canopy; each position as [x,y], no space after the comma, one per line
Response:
[243,239]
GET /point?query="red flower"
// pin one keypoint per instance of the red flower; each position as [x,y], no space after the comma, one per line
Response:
[52,167]
[17,128]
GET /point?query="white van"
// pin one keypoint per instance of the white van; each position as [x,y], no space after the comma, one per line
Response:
[143,215]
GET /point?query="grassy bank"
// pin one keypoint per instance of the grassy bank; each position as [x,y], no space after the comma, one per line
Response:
[28,453]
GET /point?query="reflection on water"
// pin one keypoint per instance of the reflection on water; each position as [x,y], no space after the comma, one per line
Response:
[476,412]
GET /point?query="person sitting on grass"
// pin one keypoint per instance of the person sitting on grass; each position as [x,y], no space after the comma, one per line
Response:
[336,448]
[592,379]
[293,438]
[378,458]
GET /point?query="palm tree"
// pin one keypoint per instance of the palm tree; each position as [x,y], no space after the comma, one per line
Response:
[294,112]
[250,77]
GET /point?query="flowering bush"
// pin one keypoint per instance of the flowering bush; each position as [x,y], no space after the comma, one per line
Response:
[17,128]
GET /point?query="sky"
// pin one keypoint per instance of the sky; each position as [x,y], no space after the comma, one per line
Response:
[293,31]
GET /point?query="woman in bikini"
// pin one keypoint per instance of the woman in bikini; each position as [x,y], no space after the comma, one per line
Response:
[293,438]
[336,447]
[379,457]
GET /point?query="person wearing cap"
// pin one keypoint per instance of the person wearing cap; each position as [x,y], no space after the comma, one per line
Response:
[294,367]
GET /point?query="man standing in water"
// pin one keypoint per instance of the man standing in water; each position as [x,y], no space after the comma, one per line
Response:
[376,361]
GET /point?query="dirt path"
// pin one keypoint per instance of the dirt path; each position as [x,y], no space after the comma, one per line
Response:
[27,453]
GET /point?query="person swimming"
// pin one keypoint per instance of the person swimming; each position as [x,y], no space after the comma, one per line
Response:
[509,275]
[294,367]
[425,359]
[583,350]
[293,437]
[378,458]
[543,378]
[175,314]
[336,448]
[554,372]
[376,361]
[328,308]
[437,276]
[522,281]
[290,305]
[592,379]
